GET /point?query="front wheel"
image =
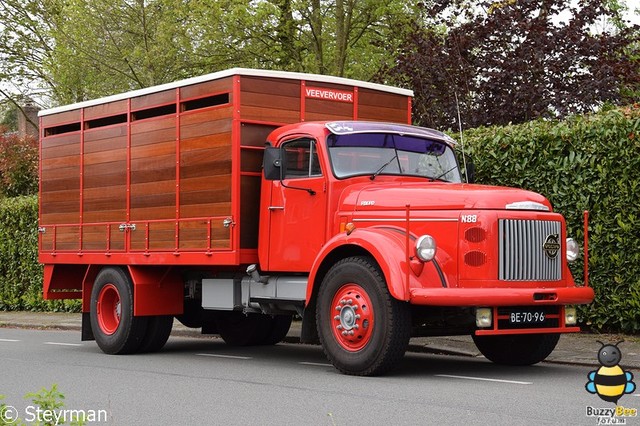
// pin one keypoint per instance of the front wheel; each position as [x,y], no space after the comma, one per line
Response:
[519,349]
[363,330]
[114,327]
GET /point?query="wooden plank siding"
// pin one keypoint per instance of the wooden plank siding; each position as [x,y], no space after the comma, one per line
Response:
[153,169]
[162,159]
[270,100]
[378,106]
[252,141]
[105,178]
[60,176]
[205,164]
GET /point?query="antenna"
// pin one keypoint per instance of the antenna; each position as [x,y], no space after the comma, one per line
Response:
[464,154]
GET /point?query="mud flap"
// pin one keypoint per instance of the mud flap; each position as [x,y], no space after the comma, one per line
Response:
[87,332]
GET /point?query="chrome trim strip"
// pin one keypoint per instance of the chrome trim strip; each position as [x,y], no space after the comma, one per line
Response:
[415,219]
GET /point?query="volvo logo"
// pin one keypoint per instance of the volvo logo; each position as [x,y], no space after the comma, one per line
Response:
[551,245]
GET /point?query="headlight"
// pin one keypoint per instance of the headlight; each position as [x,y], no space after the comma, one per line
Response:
[484,317]
[573,250]
[570,317]
[426,248]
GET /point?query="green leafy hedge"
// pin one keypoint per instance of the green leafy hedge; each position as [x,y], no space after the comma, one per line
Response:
[583,163]
[20,273]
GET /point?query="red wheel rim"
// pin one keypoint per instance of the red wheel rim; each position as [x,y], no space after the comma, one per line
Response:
[352,317]
[109,309]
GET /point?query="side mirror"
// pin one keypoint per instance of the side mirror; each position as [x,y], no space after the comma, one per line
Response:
[272,163]
[470,170]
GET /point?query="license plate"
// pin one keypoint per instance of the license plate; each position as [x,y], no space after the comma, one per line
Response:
[526,317]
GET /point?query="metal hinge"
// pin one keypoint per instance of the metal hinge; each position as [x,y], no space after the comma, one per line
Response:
[127,226]
[42,229]
[228,222]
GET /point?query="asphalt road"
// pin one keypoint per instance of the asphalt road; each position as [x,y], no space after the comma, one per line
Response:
[203,381]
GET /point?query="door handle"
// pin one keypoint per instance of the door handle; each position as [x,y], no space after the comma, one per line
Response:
[272,208]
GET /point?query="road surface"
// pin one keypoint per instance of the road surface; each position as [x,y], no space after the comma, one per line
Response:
[203,381]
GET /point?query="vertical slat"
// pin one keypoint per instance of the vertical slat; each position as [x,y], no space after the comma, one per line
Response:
[501,249]
[511,251]
[530,249]
[520,257]
[542,261]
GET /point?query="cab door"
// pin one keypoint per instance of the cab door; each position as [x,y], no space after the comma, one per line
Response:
[298,208]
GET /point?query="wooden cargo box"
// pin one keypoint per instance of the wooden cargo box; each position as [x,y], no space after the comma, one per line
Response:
[171,174]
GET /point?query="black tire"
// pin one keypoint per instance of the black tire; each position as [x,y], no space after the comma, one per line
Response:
[115,328]
[158,331]
[354,298]
[280,325]
[521,349]
[238,329]
[193,314]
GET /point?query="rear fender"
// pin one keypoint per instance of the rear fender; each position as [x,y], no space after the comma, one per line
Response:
[63,281]
[387,246]
[158,290]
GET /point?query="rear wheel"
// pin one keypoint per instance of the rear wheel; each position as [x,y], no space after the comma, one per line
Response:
[280,325]
[192,315]
[363,329]
[158,331]
[520,349]
[238,329]
[115,328]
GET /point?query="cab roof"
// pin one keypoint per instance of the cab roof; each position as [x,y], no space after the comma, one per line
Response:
[356,127]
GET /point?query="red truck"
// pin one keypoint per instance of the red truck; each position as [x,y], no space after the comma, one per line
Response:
[238,200]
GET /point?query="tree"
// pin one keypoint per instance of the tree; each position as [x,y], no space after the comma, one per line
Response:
[8,117]
[513,61]
[79,49]
[18,165]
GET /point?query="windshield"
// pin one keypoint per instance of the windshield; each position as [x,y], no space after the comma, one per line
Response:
[383,154]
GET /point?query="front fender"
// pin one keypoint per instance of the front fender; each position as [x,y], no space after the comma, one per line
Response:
[386,245]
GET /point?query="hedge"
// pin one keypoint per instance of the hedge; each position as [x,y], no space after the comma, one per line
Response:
[20,273]
[589,162]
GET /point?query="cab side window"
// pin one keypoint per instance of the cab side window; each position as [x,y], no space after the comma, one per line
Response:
[300,159]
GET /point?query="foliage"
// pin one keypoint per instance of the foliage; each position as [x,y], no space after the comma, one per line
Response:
[8,117]
[20,272]
[49,401]
[513,61]
[589,163]
[80,50]
[18,165]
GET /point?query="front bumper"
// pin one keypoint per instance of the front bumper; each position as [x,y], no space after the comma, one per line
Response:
[500,296]
[553,299]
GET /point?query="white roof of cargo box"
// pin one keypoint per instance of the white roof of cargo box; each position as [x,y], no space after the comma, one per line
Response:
[228,73]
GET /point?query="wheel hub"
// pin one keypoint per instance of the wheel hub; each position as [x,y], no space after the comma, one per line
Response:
[348,317]
[109,309]
[352,323]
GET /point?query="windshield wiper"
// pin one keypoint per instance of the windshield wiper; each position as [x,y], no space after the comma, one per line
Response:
[439,177]
[373,176]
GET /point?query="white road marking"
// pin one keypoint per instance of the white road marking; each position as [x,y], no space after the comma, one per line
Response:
[62,344]
[9,340]
[226,356]
[514,382]
[316,364]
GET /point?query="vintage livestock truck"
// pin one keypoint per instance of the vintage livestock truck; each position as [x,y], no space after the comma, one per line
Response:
[240,199]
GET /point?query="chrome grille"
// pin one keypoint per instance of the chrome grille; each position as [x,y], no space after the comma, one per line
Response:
[522,257]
